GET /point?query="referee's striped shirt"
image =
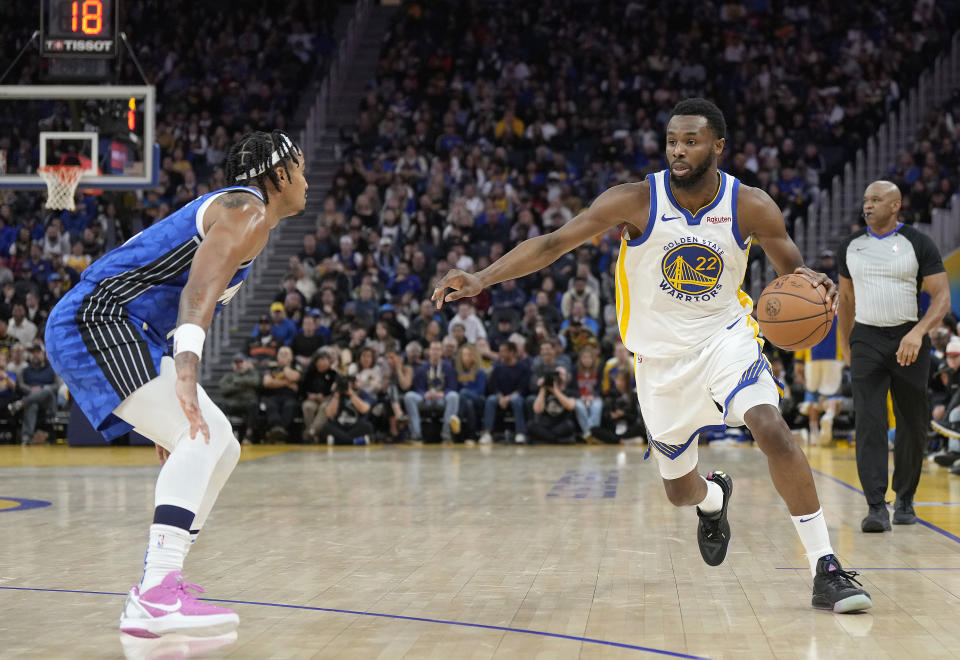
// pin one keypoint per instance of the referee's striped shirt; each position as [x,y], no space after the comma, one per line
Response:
[887,272]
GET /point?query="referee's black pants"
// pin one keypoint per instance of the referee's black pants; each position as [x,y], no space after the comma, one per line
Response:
[874,368]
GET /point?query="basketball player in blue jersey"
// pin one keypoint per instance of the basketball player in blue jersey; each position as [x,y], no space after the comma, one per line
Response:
[698,359]
[110,336]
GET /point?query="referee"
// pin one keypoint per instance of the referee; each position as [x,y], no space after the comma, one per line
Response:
[883,338]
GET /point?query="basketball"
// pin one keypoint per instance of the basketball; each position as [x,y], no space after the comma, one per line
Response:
[793,314]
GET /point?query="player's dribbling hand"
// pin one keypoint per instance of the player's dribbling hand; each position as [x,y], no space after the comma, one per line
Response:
[187,394]
[464,285]
[821,279]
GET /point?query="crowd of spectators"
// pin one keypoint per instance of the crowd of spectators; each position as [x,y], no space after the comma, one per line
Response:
[944,389]
[351,383]
[218,74]
[928,174]
[487,123]
[490,123]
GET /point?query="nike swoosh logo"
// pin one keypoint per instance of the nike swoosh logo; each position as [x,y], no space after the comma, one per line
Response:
[812,517]
[858,249]
[664,218]
[164,608]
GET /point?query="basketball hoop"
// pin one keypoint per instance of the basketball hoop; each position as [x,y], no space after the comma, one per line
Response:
[62,182]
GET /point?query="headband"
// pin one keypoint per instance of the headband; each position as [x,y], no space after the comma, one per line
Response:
[286,146]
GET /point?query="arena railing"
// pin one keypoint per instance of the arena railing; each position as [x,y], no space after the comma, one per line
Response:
[830,216]
[944,227]
[317,116]
[228,321]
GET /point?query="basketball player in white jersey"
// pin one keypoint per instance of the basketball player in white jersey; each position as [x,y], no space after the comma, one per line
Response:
[699,365]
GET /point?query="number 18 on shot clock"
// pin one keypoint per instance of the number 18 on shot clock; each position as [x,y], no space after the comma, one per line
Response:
[79,28]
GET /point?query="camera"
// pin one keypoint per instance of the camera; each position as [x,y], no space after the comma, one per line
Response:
[343,383]
[550,379]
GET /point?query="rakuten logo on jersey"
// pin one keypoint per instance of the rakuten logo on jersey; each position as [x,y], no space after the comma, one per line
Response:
[718,220]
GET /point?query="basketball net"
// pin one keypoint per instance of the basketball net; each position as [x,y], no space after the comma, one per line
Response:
[62,182]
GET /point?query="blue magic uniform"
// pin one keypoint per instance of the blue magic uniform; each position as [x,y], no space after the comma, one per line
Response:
[106,336]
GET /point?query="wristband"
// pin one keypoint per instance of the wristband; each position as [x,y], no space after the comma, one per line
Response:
[189,337]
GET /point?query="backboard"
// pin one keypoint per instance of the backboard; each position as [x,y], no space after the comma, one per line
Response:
[107,129]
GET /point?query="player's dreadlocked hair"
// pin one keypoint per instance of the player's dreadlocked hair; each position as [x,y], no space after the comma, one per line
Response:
[703,108]
[255,158]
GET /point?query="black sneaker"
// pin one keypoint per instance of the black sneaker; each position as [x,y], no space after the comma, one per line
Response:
[903,512]
[713,532]
[877,520]
[947,459]
[833,588]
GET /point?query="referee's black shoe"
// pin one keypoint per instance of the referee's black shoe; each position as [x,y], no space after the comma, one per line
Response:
[903,513]
[713,532]
[833,588]
[877,520]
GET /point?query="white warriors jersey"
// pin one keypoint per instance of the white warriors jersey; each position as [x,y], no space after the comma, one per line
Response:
[679,283]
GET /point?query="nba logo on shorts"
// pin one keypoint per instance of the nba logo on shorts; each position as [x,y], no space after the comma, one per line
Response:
[692,269]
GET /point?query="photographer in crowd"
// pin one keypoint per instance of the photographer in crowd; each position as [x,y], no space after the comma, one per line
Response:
[621,414]
[316,388]
[347,409]
[553,408]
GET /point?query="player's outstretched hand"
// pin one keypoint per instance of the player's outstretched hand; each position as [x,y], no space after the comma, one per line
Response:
[821,279]
[187,394]
[464,285]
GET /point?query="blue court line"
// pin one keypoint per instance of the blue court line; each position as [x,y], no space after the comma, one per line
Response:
[936,504]
[523,631]
[920,521]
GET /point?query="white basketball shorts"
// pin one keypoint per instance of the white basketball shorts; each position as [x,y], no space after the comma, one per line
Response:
[707,389]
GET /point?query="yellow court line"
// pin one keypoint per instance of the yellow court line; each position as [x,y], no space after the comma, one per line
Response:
[65,456]
[937,485]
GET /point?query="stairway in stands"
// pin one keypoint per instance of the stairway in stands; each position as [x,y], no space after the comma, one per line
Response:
[287,237]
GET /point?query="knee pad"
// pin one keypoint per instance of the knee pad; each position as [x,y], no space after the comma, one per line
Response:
[228,459]
[221,437]
[221,434]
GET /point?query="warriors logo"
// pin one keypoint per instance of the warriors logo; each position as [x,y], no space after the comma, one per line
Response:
[692,269]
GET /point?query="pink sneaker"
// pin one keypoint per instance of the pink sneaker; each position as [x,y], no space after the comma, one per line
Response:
[170,607]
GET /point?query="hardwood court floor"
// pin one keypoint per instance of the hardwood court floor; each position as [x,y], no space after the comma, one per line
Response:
[469,553]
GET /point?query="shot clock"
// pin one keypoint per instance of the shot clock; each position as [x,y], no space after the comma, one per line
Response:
[79,28]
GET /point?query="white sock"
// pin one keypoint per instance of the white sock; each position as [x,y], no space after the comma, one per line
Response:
[812,528]
[165,553]
[193,539]
[713,502]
